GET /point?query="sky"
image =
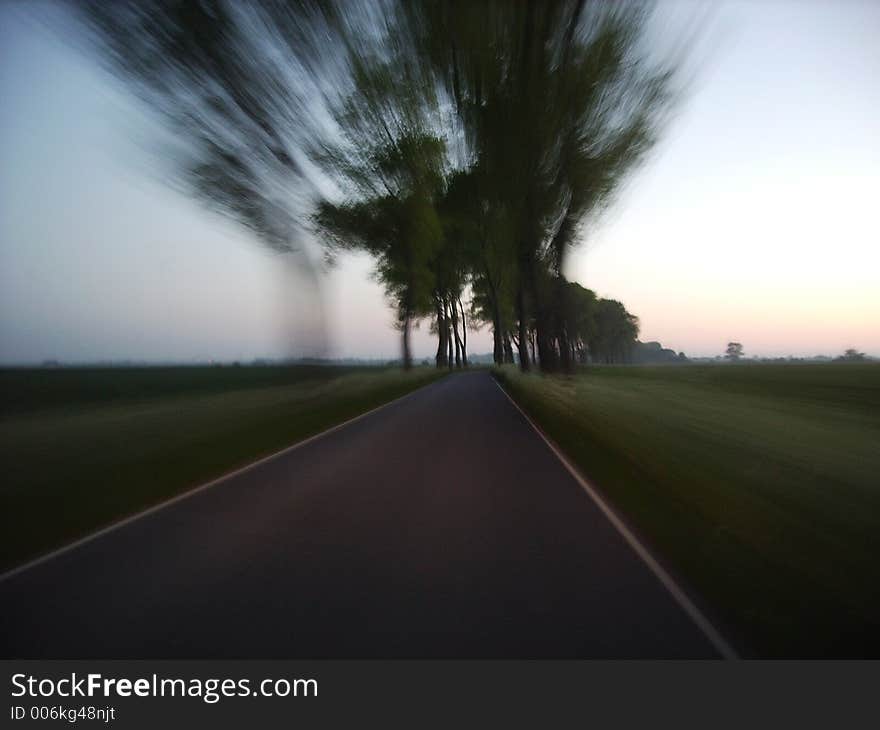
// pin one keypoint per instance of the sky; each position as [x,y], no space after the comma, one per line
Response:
[755,220]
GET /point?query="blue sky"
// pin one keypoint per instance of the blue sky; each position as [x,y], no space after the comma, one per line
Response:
[755,220]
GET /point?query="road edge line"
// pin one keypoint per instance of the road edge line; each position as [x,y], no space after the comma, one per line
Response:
[79,542]
[719,643]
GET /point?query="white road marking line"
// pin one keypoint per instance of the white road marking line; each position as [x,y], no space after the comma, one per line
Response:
[711,633]
[196,490]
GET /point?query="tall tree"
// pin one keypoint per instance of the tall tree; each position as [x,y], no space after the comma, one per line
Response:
[734,351]
[237,85]
[615,334]
[464,145]
[558,101]
[388,163]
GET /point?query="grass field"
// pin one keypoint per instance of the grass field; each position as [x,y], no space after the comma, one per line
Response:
[758,484]
[82,447]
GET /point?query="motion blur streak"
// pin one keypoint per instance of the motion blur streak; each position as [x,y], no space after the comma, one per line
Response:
[461,146]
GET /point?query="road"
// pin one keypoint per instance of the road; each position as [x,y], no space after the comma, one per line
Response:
[439,526]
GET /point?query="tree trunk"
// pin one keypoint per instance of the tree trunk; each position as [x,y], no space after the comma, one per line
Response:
[408,312]
[497,343]
[547,359]
[407,354]
[464,359]
[524,360]
[498,350]
[449,362]
[441,336]
[454,310]
[565,357]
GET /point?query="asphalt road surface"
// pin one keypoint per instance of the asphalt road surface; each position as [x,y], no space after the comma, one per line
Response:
[439,526]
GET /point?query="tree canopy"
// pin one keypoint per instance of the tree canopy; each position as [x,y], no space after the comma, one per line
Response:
[464,146]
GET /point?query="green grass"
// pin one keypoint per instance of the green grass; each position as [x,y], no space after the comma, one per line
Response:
[24,390]
[758,484]
[83,447]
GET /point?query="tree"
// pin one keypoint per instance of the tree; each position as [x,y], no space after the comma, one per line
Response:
[557,101]
[615,334]
[579,321]
[734,351]
[852,355]
[218,74]
[389,164]
[272,103]
[464,146]
[400,229]
[239,88]
[452,266]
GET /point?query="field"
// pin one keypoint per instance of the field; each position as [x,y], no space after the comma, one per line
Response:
[82,447]
[759,485]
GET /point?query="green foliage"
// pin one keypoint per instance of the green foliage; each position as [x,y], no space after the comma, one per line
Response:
[558,103]
[218,75]
[852,355]
[460,144]
[734,351]
[615,333]
[579,308]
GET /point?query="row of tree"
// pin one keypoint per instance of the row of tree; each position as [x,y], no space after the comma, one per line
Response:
[464,146]
[582,328]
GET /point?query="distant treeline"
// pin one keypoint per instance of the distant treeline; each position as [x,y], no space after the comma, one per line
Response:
[580,327]
[353,362]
